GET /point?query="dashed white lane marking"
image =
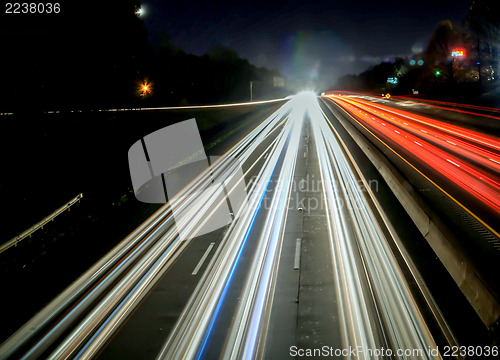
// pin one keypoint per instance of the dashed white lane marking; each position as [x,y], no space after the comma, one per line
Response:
[202,260]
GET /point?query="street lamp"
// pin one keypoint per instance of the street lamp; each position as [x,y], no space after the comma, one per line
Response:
[145,88]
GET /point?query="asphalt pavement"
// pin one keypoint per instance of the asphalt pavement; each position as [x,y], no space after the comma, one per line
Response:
[313,260]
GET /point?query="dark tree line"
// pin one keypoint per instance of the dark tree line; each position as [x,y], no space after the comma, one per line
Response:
[435,72]
[374,79]
[218,76]
[95,55]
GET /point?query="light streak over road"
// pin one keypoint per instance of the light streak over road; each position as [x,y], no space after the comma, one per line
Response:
[233,298]
[467,158]
[375,304]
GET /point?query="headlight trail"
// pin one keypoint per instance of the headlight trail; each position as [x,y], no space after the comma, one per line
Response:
[197,321]
[229,311]
[254,310]
[367,273]
[375,304]
[132,287]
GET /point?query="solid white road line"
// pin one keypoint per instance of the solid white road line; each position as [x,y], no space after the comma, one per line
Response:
[296,263]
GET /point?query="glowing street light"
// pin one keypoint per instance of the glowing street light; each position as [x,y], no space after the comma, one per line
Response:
[145,88]
[458,53]
[139,11]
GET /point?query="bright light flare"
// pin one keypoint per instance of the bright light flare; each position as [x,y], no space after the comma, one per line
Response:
[139,11]
[144,88]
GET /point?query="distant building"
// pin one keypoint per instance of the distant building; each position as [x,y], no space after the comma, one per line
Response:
[278,81]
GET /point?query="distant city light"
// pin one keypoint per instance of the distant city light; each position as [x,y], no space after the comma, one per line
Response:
[412,62]
[420,62]
[438,72]
[458,53]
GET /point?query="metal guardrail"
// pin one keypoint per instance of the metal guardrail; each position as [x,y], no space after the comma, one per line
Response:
[40,224]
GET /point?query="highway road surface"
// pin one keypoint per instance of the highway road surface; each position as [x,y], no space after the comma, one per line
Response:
[313,256]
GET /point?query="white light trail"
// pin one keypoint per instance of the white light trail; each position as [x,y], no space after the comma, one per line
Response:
[375,304]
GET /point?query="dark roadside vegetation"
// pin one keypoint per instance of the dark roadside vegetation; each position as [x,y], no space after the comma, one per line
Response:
[96,56]
[434,73]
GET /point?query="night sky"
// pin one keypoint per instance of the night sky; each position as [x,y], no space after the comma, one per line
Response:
[303,39]
[308,42]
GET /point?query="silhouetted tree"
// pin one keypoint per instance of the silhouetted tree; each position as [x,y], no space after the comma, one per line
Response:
[374,79]
[483,21]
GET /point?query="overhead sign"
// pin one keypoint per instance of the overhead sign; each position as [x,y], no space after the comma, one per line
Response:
[392,80]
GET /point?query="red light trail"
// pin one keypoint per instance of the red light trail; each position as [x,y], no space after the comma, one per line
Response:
[452,151]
